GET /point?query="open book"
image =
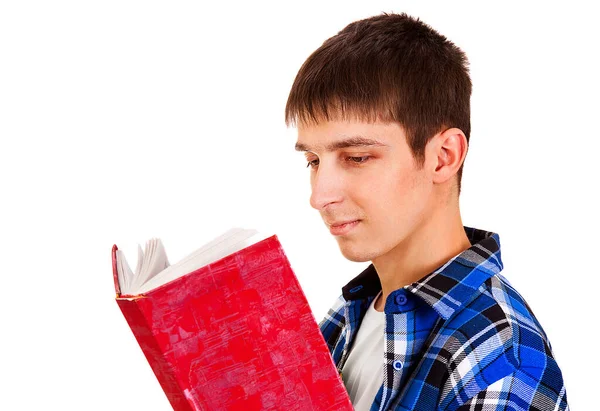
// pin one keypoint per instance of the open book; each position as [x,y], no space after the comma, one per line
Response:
[153,267]
[228,327]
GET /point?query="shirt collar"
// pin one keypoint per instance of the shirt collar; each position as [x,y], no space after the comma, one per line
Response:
[450,286]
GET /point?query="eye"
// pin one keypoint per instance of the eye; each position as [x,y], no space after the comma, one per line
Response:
[358,160]
[313,163]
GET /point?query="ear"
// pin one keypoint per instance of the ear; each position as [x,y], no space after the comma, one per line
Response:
[448,151]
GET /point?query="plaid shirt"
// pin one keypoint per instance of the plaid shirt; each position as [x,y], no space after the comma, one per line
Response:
[461,338]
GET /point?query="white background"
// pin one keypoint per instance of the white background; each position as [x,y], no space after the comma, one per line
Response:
[123,120]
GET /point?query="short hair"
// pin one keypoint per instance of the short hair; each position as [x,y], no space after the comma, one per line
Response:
[389,68]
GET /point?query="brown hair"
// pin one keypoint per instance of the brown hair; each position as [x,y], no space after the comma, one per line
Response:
[389,68]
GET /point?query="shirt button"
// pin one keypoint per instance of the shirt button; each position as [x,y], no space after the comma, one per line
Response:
[397,365]
[401,299]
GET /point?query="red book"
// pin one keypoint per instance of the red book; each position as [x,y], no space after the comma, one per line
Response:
[236,334]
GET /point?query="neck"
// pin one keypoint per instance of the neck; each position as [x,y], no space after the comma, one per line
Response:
[436,240]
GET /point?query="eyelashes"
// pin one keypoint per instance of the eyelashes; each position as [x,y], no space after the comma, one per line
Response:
[312,163]
[353,160]
[358,160]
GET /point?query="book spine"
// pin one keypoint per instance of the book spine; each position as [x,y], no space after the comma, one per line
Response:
[166,375]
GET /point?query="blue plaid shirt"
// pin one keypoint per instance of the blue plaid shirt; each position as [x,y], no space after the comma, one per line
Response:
[461,338]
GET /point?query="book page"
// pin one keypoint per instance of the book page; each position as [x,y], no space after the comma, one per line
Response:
[225,245]
[154,261]
[153,269]
[125,275]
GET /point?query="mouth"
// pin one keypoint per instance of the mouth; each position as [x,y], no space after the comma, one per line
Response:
[343,227]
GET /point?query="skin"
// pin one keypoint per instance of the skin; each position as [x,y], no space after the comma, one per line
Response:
[409,217]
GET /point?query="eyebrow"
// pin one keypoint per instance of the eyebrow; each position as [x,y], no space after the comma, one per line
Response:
[356,141]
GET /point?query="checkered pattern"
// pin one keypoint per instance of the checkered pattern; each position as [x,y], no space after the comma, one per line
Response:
[461,338]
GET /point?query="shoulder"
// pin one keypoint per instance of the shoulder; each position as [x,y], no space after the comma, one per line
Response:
[498,319]
[492,337]
[531,347]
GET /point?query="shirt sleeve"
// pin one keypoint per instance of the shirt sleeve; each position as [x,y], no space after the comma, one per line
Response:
[518,392]
[333,323]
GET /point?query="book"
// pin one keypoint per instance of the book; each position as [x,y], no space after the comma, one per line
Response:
[228,327]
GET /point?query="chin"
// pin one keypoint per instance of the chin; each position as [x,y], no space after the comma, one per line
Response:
[357,256]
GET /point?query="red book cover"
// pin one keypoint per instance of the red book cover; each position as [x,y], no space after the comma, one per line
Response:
[237,334]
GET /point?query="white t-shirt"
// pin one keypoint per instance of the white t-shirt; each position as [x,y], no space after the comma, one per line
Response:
[363,371]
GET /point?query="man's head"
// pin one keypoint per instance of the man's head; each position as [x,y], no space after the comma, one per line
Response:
[394,80]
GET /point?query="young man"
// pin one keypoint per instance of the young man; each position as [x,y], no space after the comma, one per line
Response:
[383,116]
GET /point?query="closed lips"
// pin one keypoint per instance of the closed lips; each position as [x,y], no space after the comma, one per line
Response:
[342,223]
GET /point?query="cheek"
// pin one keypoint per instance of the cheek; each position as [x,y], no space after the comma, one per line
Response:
[391,188]
[394,198]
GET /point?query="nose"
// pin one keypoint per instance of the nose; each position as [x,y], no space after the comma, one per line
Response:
[327,187]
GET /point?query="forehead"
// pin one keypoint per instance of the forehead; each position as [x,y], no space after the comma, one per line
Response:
[335,135]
